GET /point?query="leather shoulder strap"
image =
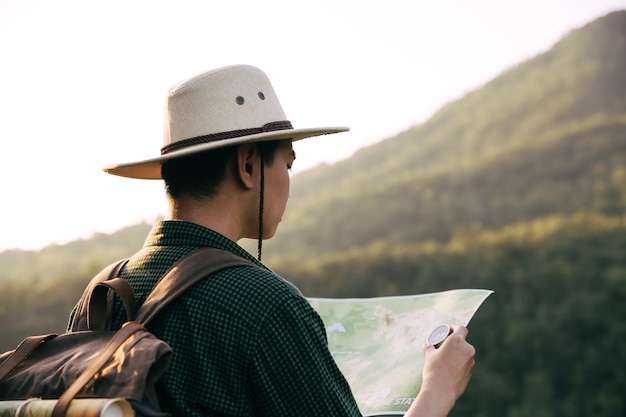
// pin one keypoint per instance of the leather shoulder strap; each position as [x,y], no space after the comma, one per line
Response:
[118,339]
[81,319]
[184,274]
[22,351]
[97,306]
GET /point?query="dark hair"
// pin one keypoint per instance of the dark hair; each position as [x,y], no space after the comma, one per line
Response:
[202,174]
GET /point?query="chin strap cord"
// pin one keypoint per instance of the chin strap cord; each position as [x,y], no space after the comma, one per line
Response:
[261,197]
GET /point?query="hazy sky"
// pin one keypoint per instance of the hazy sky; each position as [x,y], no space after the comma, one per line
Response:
[82,84]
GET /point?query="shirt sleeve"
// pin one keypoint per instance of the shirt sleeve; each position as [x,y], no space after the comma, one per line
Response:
[292,371]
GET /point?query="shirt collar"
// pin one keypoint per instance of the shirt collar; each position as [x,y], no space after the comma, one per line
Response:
[182,233]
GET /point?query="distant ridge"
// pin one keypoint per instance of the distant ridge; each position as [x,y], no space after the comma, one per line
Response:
[80,256]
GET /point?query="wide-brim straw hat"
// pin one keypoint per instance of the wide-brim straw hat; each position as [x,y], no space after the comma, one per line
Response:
[223,107]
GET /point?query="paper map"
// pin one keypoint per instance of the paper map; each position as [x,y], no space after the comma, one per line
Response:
[377,342]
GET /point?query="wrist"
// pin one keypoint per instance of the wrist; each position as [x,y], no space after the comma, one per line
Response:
[432,402]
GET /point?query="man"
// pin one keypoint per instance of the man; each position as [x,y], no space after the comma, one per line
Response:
[245,341]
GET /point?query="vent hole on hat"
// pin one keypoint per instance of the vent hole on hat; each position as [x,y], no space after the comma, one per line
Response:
[261,95]
[239,100]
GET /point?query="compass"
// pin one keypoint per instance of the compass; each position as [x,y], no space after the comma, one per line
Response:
[438,335]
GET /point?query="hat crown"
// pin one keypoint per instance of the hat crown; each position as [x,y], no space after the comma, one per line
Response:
[224,100]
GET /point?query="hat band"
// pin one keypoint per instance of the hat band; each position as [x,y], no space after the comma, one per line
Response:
[268,127]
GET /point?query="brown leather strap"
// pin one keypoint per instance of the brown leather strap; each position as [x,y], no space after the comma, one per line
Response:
[130,328]
[22,351]
[185,273]
[97,302]
[80,319]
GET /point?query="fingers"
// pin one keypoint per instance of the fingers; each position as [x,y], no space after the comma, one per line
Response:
[457,341]
[460,331]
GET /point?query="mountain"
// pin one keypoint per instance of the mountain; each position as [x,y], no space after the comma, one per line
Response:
[547,136]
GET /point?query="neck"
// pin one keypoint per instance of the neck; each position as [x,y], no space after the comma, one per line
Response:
[219,213]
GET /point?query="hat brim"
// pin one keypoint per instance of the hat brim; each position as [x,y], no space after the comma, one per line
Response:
[150,169]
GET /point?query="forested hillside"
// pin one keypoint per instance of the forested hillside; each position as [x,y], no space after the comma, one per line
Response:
[518,187]
[546,136]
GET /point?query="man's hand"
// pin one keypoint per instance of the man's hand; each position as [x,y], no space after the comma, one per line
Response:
[447,371]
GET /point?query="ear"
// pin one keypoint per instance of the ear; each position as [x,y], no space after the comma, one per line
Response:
[247,160]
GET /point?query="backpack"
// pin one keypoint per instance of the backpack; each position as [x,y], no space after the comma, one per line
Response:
[92,368]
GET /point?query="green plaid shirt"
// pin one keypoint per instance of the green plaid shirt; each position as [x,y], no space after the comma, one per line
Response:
[245,341]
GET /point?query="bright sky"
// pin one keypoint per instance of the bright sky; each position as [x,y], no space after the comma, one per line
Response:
[82,84]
